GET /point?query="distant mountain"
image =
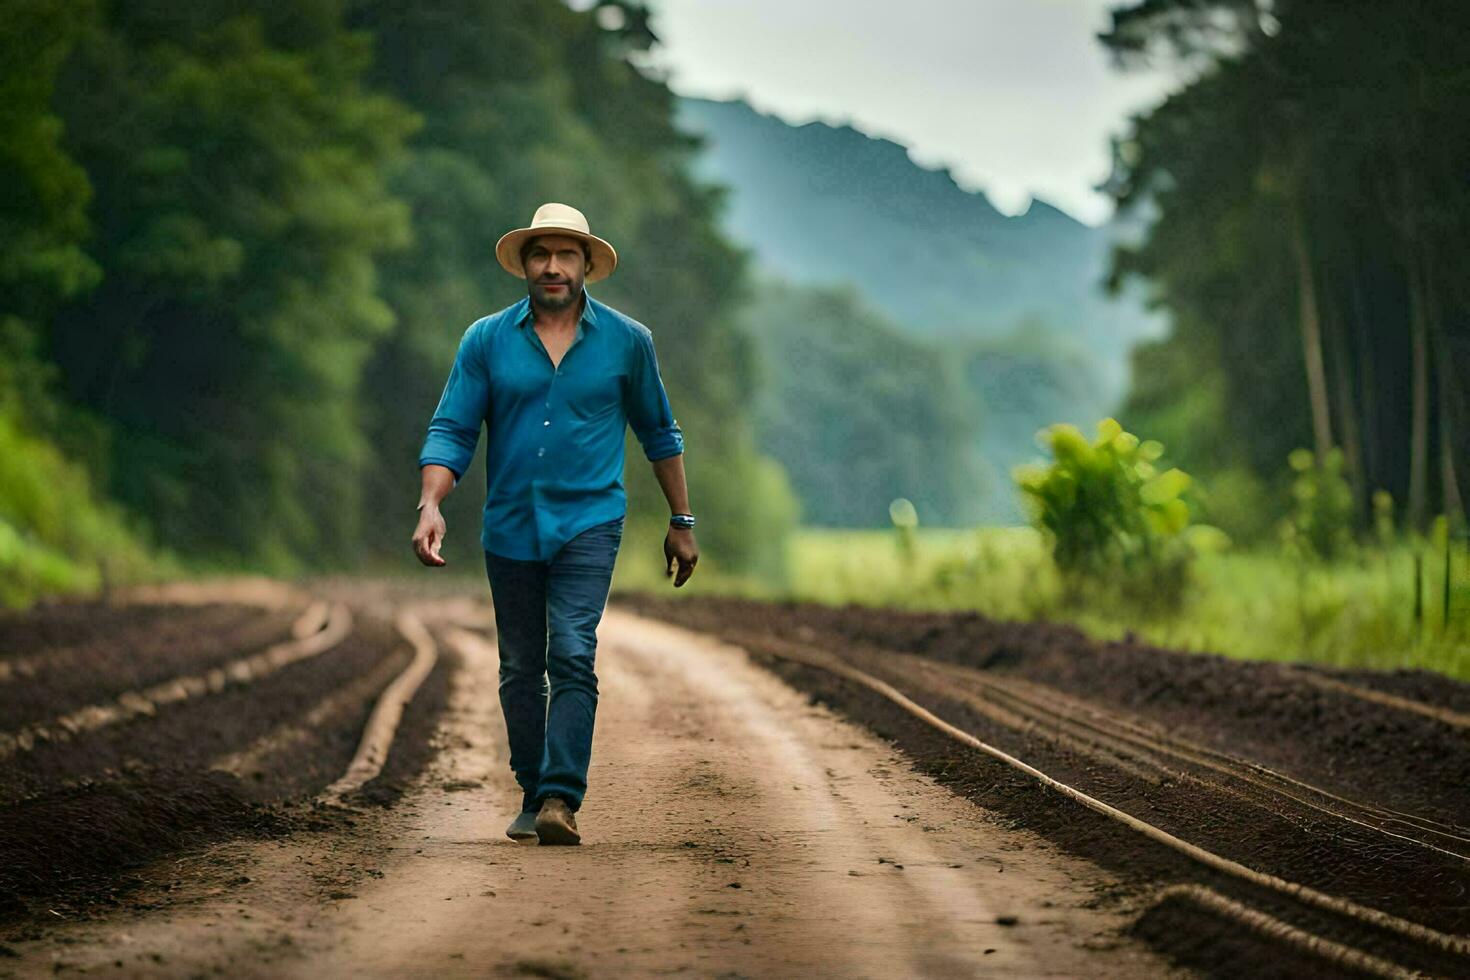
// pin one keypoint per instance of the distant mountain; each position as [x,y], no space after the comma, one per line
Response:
[828,204]
[857,248]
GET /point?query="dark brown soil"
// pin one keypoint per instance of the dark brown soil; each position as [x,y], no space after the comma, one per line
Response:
[1258,711]
[94,668]
[1416,685]
[59,849]
[76,815]
[65,622]
[1196,939]
[191,734]
[1262,711]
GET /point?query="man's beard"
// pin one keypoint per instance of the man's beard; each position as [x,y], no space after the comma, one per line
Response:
[558,300]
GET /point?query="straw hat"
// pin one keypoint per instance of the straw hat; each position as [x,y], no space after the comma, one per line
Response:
[556,219]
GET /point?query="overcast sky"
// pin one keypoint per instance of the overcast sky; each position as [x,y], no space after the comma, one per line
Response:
[1015,96]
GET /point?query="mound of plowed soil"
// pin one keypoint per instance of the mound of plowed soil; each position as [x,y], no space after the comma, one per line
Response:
[95,667]
[1423,686]
[1267,712]
[62,623]
[77,813]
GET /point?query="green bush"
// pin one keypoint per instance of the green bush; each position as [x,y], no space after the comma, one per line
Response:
[55,534]
[1320,523]
[1113,522]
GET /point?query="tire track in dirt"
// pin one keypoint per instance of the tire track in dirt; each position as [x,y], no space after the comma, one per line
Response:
[1454,719]
[1026,706]
[731,828]
[1266,712]
[1455,945]
[1300,846]
[708,771]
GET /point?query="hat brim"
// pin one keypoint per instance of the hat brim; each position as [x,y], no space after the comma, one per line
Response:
[508,250]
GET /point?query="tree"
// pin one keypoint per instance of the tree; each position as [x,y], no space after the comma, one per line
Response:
[43,200]
[1303,158]
[240,206]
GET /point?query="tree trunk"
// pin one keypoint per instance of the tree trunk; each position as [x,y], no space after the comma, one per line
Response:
[1311,328]
[1409,226]
[1448,403]
[1374,476]
[1419,399]
[1337,340]
[1454,504]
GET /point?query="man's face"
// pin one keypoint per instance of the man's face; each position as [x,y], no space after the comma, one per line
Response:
[555,268]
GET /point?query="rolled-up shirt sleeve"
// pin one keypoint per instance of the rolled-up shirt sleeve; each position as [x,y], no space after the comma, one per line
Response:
[454,430]
[647,404]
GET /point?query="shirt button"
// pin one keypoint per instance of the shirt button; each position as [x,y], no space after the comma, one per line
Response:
[547,422]
[541,452]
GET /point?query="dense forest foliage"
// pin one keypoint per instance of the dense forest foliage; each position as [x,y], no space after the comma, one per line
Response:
[859,413]
[241,240]
[1312,185]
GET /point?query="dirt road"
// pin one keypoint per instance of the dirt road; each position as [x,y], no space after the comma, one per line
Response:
[732,829]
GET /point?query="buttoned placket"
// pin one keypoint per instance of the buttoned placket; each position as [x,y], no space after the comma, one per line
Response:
[530,327]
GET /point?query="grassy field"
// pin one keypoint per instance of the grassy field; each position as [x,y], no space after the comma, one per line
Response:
[1255,605]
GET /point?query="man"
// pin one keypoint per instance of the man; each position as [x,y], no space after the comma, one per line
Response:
[557,378]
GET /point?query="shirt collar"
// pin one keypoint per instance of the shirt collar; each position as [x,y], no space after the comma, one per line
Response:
[589,311]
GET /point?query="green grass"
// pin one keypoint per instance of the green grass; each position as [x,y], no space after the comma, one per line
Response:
[57,535]
[1249,604]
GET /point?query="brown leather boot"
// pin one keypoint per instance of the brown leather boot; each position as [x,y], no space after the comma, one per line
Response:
[555,824]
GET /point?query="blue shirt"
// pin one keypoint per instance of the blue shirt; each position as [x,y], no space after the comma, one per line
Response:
[555,435]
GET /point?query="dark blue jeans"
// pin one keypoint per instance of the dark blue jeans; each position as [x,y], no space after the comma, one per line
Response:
[546,616]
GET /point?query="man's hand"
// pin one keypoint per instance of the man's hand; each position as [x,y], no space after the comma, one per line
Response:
[428,537]
[681,548]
